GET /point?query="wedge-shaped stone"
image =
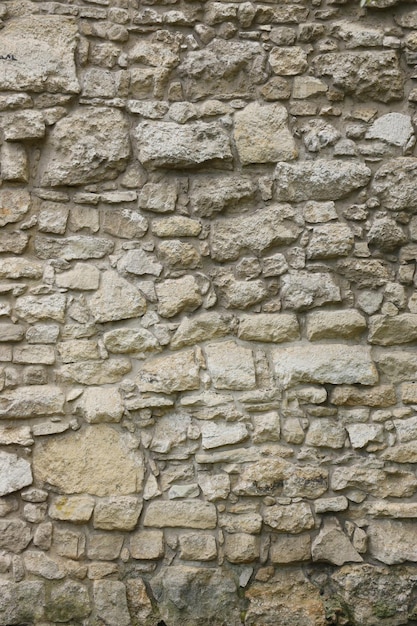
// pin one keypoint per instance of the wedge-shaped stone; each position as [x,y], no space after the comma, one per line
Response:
[15,473]
[262,135]
[171,373]
[86,146]
[385,330]
[392,541]
[200,328]
[230,366]
[272,226]
[334,324]
[367,74]
[98,461]
[319,180]
[46,60]
[184,514]
[332,363]
[167,144]
[32,401]
[116,299]
[332,545]
[269,327]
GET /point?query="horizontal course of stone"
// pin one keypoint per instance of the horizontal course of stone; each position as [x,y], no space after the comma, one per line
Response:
[208,313]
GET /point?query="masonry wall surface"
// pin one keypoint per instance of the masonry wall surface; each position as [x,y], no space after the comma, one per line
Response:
[208,313]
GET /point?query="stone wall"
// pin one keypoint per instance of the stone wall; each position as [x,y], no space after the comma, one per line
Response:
[208,397]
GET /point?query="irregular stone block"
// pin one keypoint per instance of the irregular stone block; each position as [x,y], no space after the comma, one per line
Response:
[105,546]
[117,513]
[124,223]
[272,226]
[385,330]
[83,277]
[241,548]
[392,542]
[116,299]
[159,197]
[362,434]
[15,535]
[200,328]
[239,294]
[35,308]
[321,179]
[70,248]
[167,144]
[367,74]
[241,523]
[140,343]
[32,401]
[290,518]
[334,324]
[230,366]
[394,128]
[23,125]
[330,241]
[34,354]
[77,509]
[21,601]
[217,434]
[67,601]
[86,146]
[374,481]
[111,602]
[98,461]
[261,476]
[197,547]
[332,545]
[211,195]
[268,327]
[288,61]
[176,226]
[381,396]
[14,204]
[100,404]
[262,135]
[180,514]
[15,267]
[326,433]
[221,68]
[402,453]
[95,372]
[147,544]
[40,564]
[181,294]
[290,548]
[306,481]
[365,273]
[11,332]
[171,373]
[46,60]
[336,364]
[13,242]
[305,290]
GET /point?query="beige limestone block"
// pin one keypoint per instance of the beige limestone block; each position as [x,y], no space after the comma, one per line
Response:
[308,86]
[326,433]
[401,453]
[261,477]
[241,548]
[117,513]
[147,544]
[36,308]
[217,434]
[14,204]
[197,547]
[387,331]
[402,510]
[332,363]
[15,473]
[20,435]
[332,545]
[31,401]
[201,327]
[176,295]
[83,277]
[116,299]
[102,404]
[381,396]
[46,60]
[362,434]
[329,241]
[95,372]
[176,226]
[377,482]
[111,603]
[214,487]
[288,61]
[32,354]
[266,427]
[241,523]
[170,373]
[230,366]
[328,505]
[305,482]
[392,541]
[97,460]
[182,514]
[290,548]
[78,350]
[139,342]
[15,535]
[289,518]
[78,509]
[86,146]
[333,324]
[262,135]
[396,366]
[14,162]
[105,546]
[269,327]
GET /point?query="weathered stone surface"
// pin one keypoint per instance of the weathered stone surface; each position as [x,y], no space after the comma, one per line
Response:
[306,482]
[257,232]
[95,372]
[241,548]
[262,135]
[102,405]
[111,603]
[200,328]
[14,204]
[365,273]
[333,546]
[215,434]
[78,509]
[395,183]
[197,547]
[337,364]
[184,514]
[334,324]
[147,544]
[68,601]
[86,146]
[15,473]
[32,401]
[290,518]
[288,61]
[99,461]
[392,541]
[268,600]
[21,601]
[139,263]
[211,195]
[290,548]
[70,248]
[166,144]
[362,434]
[269,327]
[394,128]
[46,61]
[117,513]
[82,277]
[167,374]
[303,290]
[116,299]
[369,75]
[35,308]
[139,343]
[382,396]
[181,294]
[222,68]
[230,366]
[240,294]
[374,481]
[190,594]
[330,241]
[318,180]
[326,433]
[389,331]
[124,223]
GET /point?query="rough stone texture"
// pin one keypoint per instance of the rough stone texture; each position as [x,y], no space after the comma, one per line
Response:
[208,241]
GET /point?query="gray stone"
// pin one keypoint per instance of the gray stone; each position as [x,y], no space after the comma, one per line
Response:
[395,183]
[46,61]
[389,331]
[336,364]
[21,602]
[392,541]
[70,248]
[334,324]
[326,433]
[170,373]
[35,308]
[82,277]
[138,342]
[386,235]
[305,290]
[15,535]
[184,514]
[111,602]
[167,144]
[117,513]
[88,145]
[176,295]
[14,204]
[394,128]
[211,195]
[197,547]
[330,241]
[200,328]
[262,135]
[333,546]
[319,180]
[67,601]
[159,197]
[290,518]
[139,263]
[367,74]
[116,299]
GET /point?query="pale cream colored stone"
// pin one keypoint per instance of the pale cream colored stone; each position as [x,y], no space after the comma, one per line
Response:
[230,366]
[102,404]
[97,461]
[269,327]
[184,514]
[290,548]
[288,61]
[116,299]
[333,546]
[197,547]
[15,473]
[83,276]
[241,523]
[32,401]
[78,509]
[290,518]
[95,372]
[117,513]
[147,544]
[392,541]
[217,434]
[334,324]
[174,296]
[381,396]
[78,350]
[241,548]
[167,374]
[201,327]
[377,482]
